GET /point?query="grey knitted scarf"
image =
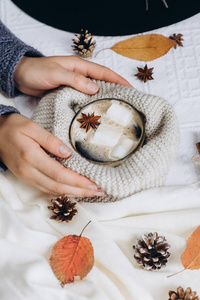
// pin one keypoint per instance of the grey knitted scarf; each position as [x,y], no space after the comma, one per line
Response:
[146,168]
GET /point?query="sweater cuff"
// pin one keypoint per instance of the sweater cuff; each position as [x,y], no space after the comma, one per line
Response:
[12,49]
[5,110]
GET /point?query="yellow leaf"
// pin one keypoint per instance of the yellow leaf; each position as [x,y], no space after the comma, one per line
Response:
[144,47]
[191,256]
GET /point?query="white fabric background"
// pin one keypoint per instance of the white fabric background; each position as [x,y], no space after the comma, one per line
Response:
[28,235]
[26,232]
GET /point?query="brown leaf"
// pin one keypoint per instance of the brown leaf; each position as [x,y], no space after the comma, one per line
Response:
[198,147]
[144,47]
[191,256]
[72,256]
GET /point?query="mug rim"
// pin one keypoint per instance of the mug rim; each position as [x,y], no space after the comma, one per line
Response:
[118,161]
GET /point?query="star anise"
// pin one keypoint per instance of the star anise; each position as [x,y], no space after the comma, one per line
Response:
[145,74]
[88,121]
[177,38]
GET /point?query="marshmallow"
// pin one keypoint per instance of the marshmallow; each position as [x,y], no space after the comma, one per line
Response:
[123,148]
[107,136]
[120,114]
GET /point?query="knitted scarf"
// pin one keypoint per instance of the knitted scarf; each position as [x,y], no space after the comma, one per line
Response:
[147,168]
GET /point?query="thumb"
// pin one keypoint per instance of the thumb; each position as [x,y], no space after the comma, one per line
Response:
[49,142]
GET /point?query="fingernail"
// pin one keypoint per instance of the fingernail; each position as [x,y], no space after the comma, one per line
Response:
[91,187]
[92,87]
[63,149]
[99,194]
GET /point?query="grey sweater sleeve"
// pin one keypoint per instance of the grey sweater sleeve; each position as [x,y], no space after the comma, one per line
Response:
[12,50]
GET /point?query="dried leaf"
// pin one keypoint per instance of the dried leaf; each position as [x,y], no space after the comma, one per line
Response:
[191,256]
[72,256]
[198,147]
[144,47]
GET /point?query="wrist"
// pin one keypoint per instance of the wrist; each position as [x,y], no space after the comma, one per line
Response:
[6,129]
[19,70]
[2,119]
[2,122]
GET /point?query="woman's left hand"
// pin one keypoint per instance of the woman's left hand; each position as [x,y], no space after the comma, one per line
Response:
[35,75]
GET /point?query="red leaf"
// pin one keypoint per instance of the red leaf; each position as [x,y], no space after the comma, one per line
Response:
[72,256]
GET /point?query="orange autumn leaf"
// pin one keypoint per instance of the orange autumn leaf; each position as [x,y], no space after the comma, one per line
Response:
[72,256]
[144,47]
[191,256]
[198,147]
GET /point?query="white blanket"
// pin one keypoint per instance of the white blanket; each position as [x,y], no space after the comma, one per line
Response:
[27,235]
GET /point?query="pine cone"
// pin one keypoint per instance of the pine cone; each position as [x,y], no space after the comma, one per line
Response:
[84,45]
[63,209]
[183,295]
[151,252]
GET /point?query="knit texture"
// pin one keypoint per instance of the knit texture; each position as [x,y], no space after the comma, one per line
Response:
[7,110]
[12,50]
[146,168]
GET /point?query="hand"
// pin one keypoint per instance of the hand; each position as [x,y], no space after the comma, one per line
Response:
[21,151]
[35,75]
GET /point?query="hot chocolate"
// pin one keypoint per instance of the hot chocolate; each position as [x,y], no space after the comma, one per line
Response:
[107,131]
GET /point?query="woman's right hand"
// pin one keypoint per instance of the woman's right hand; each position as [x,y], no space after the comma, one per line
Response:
[21,150]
